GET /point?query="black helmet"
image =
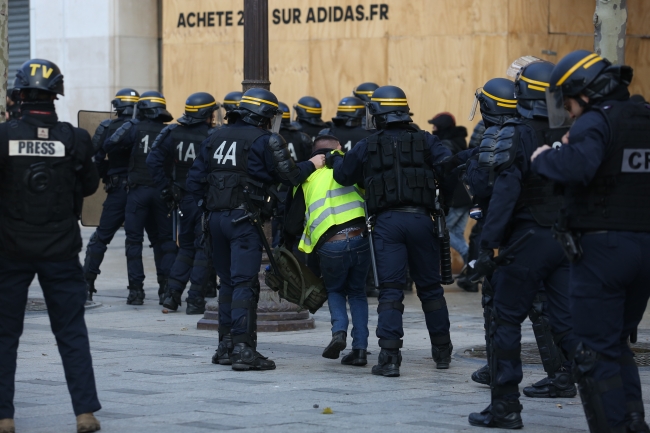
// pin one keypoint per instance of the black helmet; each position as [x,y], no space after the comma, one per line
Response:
[496,100]
[388,105]
[576,71]
[125,100]
[533,80]
[286,113]
[39,74]
[364,91]
[351,107]
[308,107]
[198,108]
[258,107]
[231,101]
[152,104]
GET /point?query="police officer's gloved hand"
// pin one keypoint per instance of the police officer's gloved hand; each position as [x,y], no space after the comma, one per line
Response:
[168,197]
[331,157]
[485,264]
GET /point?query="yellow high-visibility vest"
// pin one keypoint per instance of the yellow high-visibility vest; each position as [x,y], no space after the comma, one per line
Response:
[328,203]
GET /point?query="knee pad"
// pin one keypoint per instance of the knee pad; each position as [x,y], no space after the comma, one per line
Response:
[391,305]
[433,306]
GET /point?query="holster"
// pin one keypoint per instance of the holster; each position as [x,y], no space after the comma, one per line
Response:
[569,241]
[114,181]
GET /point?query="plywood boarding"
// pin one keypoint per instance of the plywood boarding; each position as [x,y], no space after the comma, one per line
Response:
[438,51]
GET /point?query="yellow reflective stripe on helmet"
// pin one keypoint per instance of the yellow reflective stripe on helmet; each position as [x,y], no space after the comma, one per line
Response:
[538,88]
[310,109]
[286,115]
[388,99]
[575,68]
[128,98]
[365,92]
[154,99]
[198,107]
[593,62]
[256,101]
[507,105]
[537,83]
[505,101]
[232,102]
[349,107]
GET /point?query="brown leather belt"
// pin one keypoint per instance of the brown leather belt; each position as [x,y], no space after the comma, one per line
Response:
[344,236]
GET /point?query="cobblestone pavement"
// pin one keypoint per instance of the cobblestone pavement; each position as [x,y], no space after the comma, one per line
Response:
[154,374]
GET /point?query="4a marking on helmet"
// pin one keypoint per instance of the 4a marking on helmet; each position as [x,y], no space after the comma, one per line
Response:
[198,107]
[390,101]
[591,58]
[311,110]
[154,99]
[257,101]
[535,85]
[507,103]
[46,71]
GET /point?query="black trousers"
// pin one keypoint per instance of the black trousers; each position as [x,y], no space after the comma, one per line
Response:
[65,295]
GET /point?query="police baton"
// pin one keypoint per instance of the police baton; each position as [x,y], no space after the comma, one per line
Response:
[503,255]
[373,260]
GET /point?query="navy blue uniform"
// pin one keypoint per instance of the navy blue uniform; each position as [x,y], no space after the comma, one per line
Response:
[401,239]
[609,287]
[145,210]
[40,236]
[237,248]
[191,263]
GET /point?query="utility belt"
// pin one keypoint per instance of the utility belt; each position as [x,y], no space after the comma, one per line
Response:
[408,209]
[115,181]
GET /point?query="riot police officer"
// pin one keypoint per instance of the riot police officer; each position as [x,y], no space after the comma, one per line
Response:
[396,165]
[238,164]
[179,144]
[605,229]
[346,125]
[520,202]
[144,203]
[308,116]
[47,169]
[231,101]
[364,91]
[113,171]
[298,143]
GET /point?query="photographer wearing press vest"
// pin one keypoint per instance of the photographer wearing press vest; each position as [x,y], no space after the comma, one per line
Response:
[47,170]
[604,229]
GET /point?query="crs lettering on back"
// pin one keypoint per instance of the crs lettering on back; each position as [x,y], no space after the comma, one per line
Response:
[636,161]
[54,149]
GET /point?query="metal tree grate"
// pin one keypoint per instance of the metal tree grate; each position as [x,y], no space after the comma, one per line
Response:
[530,354]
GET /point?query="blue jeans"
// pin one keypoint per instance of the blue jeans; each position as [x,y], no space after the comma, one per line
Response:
[344,265]
[456,223]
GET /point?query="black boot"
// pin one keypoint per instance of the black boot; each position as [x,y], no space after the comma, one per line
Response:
[90,285]
[558,385]
[635,422]
[464,282]
[501,414]
[162,286]
[136,295]
[195,305]
[356,357]
[441,355]
[388,363]
[172,300]
[482,375]
[245,358]
[222,355]
[333,350]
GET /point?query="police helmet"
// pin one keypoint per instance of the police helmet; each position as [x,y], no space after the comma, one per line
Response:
[153,105]
[198,108]
[231,101]
[364,91]
[496,99]
[533,80]
[576,71]
[388,104]
[39,74]
[258,107]
[286,113]
[351,107]
[308,107]
[125,98]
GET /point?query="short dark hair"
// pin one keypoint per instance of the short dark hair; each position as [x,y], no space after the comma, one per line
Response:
[325,142]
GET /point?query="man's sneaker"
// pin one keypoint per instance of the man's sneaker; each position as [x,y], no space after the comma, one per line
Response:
[7,425]
[87,423]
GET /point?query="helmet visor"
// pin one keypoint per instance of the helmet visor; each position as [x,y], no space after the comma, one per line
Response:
[370,123]
[276,122]
[558,116]
[217,117]
[472,113]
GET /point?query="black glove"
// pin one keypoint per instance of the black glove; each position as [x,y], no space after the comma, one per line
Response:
[485,265]
[331,157]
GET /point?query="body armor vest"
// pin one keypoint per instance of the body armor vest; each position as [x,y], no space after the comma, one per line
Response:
[228,149]
[537,194]
[349,137]
[41,196]
[617,196]
[186,142]
[146,133]
[396,172]
[298,143]
[118,159]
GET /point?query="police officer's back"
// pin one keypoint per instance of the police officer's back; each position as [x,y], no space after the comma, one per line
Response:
[298,142]
[46,170]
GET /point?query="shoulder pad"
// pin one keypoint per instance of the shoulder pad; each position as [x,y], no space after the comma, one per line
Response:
[106,122]
[122,130]
[297,126]
[277,142]
[97,138]
[505,148]
[325,131]
[164,133]
[306,139]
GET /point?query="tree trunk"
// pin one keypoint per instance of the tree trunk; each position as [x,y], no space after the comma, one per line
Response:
[4,56]
[610,21]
